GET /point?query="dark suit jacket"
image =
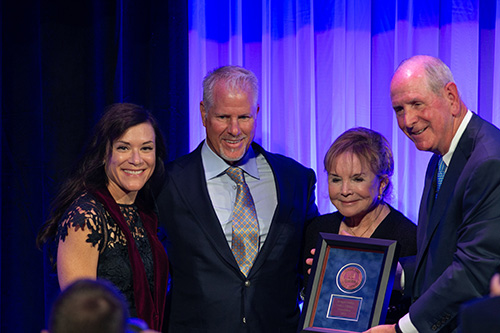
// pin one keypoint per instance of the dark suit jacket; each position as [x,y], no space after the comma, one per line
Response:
[458,235]
[208,291]
[480,316]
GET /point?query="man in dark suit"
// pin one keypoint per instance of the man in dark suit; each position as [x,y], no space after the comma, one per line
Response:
[210,290]
[459,220]
[481,315]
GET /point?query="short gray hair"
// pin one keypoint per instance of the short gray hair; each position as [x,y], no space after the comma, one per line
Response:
[235,78]
[437,73]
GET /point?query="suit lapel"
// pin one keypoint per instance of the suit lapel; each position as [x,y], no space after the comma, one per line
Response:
[190,182]
[427,201]
[433,212]
[453,172]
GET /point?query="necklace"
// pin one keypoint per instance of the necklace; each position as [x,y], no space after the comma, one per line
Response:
[364,232]
[371,227]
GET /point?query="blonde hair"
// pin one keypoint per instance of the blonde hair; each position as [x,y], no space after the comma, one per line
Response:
[372,149]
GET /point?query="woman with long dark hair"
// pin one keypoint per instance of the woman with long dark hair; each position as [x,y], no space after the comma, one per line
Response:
[103,220]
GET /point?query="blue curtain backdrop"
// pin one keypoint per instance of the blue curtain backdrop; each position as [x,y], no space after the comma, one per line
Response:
[324,66]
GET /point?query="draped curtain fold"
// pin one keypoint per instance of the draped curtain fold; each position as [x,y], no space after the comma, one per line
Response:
[325,66]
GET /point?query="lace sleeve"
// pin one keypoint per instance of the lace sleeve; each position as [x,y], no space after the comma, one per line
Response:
[84,215]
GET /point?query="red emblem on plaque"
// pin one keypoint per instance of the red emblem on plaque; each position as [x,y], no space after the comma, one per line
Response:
[351,278]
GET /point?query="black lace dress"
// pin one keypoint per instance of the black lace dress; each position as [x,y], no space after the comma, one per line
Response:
[86,214]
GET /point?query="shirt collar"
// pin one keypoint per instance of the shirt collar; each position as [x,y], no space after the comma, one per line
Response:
[214,165]
[456,138]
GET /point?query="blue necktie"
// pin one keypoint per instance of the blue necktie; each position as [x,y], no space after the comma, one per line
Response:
[441,172]
[245,242]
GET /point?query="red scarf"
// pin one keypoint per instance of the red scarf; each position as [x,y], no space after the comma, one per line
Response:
[150,307]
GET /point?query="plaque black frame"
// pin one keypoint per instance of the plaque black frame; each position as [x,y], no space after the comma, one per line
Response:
[381,296]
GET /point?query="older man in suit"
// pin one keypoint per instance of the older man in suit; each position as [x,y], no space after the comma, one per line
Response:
[234,216]
[459,219]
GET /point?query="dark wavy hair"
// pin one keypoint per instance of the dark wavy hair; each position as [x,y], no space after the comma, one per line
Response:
[90,174]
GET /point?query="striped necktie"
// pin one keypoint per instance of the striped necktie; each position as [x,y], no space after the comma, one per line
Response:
[245,242]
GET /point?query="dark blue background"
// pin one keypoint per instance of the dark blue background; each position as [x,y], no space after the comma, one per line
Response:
[62,63]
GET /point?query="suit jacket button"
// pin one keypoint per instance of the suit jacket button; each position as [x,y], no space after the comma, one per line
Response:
[247,283]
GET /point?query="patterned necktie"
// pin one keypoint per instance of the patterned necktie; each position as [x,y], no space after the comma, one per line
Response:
[245,242]
[441,172]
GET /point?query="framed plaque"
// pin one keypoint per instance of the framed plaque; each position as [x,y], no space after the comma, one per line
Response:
[350,284]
